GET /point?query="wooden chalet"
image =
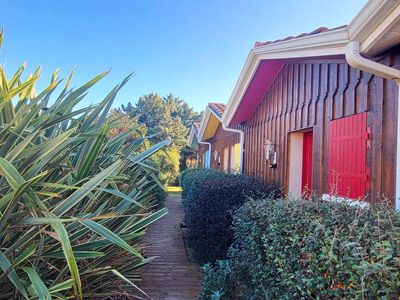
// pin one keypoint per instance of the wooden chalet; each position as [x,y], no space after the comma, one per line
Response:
[219,148]
[319,110]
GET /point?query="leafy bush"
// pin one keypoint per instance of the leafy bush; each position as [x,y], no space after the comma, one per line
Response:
[189,179]
[208,213]
[74,199]
[185,177]
[218,283]
[167,162]
[315,250]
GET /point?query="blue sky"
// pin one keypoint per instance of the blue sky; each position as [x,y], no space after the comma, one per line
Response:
[193,49]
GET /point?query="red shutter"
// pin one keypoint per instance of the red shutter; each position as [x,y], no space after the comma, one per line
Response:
[348,173]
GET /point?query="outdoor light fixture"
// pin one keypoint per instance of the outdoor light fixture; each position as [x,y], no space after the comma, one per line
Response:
[270,153]
[215,155]
[269,149]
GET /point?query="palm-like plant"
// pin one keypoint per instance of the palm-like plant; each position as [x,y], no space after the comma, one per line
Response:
[74,201]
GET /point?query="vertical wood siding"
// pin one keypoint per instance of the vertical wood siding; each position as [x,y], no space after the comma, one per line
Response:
[309,94]
[221,140]
[202,149]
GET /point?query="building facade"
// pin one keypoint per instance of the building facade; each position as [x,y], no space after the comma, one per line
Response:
[318,112]
[219,148]
[332,129]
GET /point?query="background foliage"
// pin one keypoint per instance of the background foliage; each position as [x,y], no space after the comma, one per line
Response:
[136,129]
[168,164]
[165,117]
[75,195]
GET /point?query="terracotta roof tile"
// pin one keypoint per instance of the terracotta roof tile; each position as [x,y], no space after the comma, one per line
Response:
[316,31]
[218,108]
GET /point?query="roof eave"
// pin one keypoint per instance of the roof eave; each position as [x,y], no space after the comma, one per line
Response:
[369,18]
[204,122]
[324,44]
[192,134]
[379,37]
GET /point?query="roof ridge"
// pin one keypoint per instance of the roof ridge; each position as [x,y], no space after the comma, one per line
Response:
[304,34]
[217,108]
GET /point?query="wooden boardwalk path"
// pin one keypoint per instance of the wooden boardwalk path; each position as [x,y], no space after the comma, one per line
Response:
[170,276]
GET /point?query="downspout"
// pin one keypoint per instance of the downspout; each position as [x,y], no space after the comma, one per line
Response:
[209,149]
[241,142]
[355,60]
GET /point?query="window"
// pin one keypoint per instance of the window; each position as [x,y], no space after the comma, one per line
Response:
[348,172]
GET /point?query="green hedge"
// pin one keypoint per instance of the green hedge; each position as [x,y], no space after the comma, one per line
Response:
[315,250]
[189,179]
[209,197]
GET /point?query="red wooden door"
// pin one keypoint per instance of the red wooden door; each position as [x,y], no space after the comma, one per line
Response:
[307,162]
[348,172]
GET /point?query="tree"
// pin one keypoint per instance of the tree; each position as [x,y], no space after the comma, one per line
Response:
[169,117]
[125,122]
[150,111]
[167,162]
[165,117]
[179,108]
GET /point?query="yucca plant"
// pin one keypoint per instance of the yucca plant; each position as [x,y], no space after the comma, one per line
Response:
[74,201]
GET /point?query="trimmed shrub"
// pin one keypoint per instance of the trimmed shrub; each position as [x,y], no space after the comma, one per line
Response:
[218,283]
[315,250]
[191,177]
[185,177]
[208,212]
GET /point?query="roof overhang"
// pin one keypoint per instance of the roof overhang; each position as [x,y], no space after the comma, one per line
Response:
[264,63]
[376,27]
[193,136]
[209,124]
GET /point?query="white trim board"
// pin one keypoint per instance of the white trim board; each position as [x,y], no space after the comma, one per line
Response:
[203,125]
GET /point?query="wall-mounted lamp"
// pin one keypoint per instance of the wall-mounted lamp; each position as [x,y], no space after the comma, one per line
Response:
[215,155]
[270,153]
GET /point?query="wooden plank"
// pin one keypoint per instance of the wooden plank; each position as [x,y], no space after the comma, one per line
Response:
[170,275]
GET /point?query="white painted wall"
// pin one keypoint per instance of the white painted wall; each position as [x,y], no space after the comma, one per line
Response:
[295,164]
